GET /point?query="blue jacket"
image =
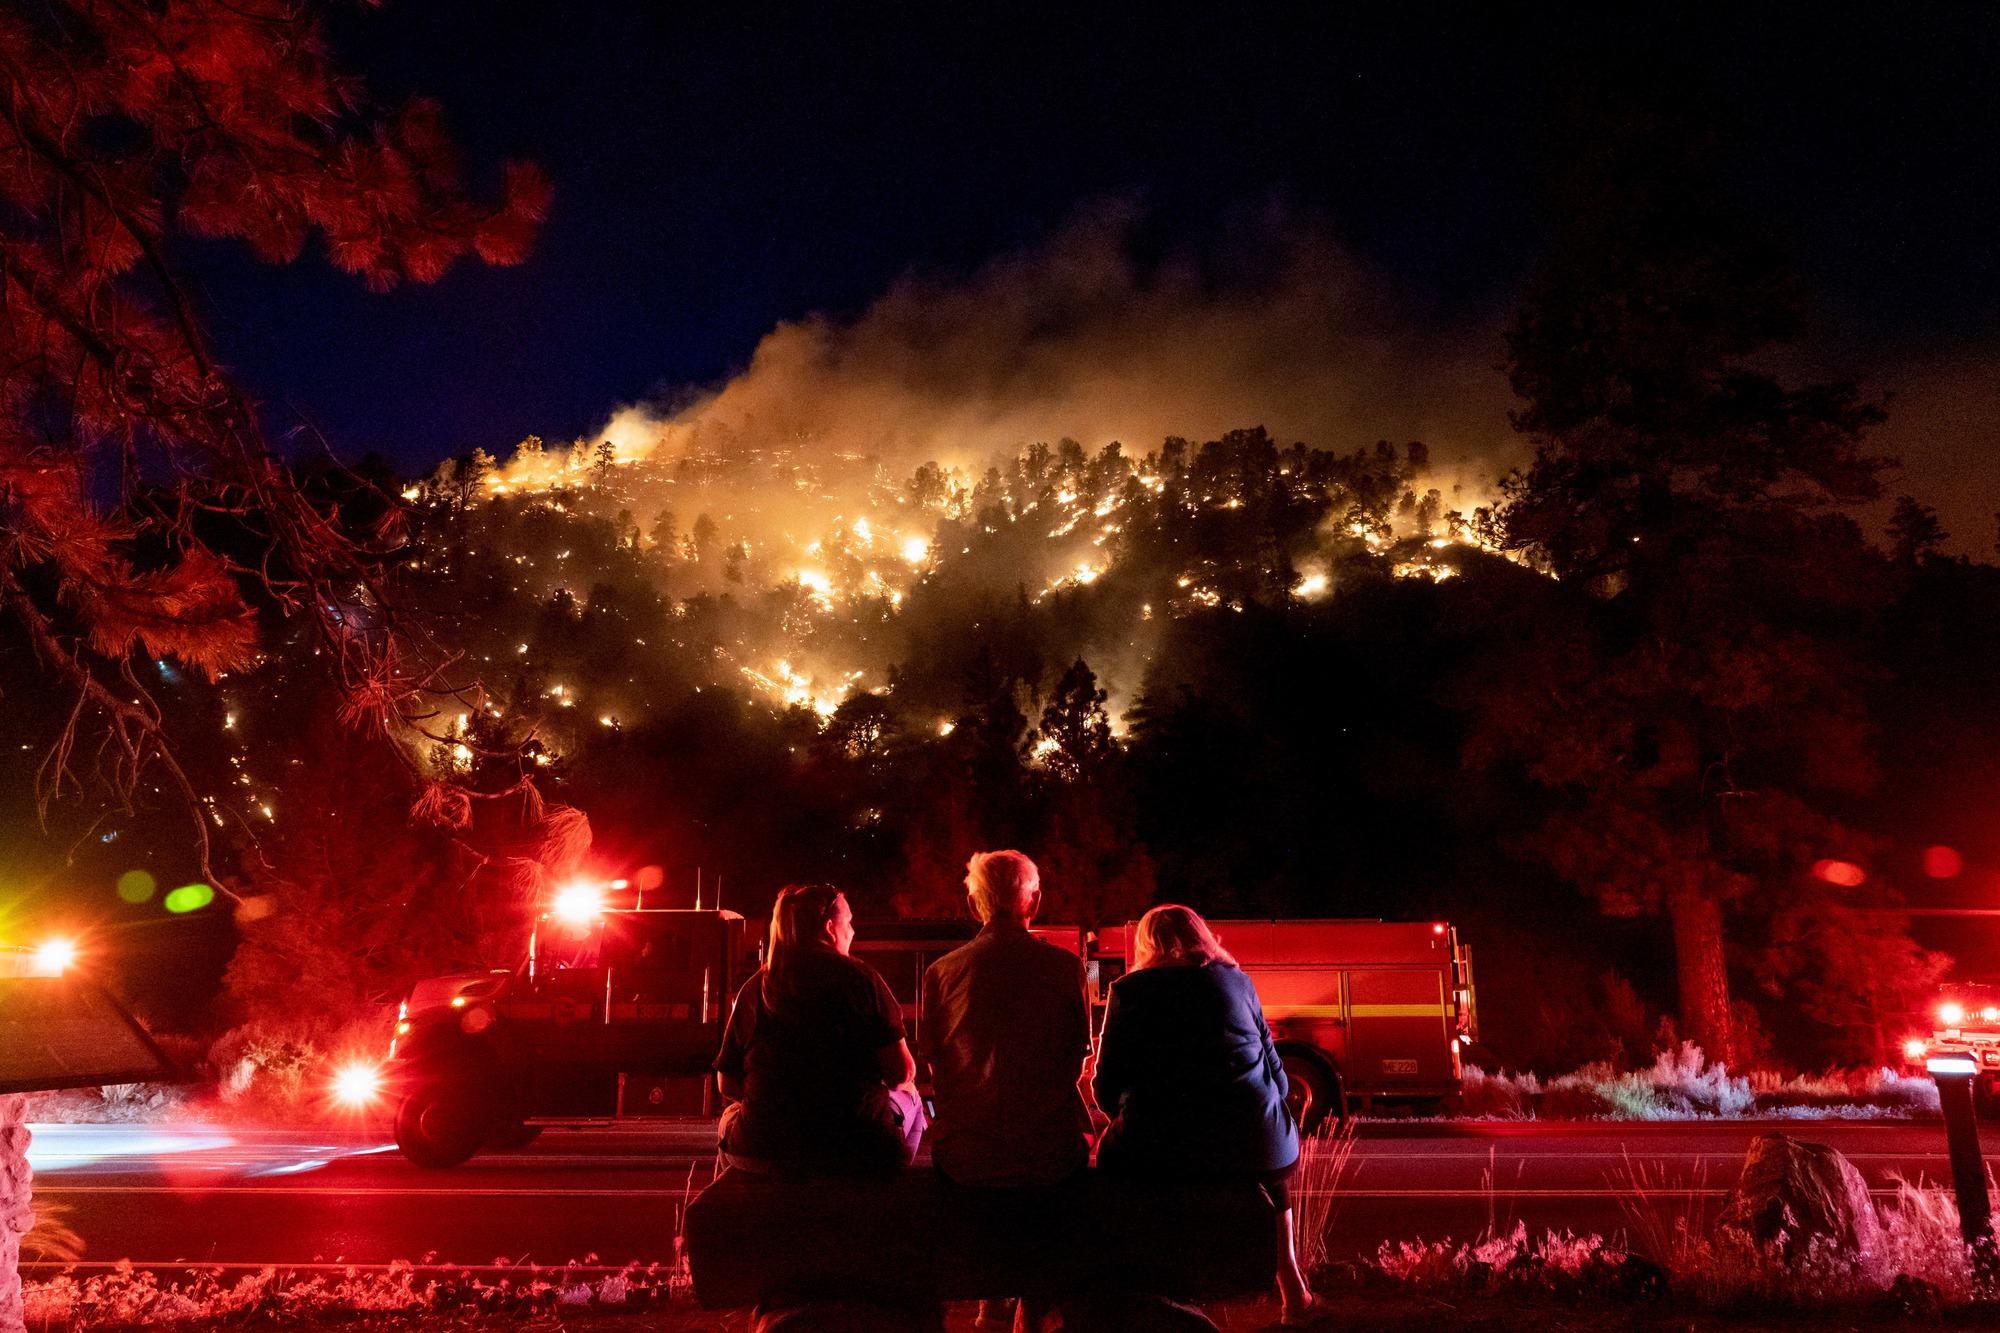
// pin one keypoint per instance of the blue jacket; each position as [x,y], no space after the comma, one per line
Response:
[1187,1072]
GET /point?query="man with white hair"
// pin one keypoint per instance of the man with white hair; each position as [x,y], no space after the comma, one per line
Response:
[1006,1026]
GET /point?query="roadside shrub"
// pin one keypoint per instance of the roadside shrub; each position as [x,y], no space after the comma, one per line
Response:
[1670,1249]
[264,1068]
[1681,1084]
[1501,1096]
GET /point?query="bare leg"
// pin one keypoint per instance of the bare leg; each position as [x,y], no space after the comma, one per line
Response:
[1293,1293]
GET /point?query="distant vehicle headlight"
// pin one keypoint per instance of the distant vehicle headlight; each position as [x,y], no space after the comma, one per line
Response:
[55,957]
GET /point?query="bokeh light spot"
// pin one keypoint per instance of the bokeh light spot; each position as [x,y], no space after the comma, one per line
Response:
[190,898]
[1943,862]
[136,886]
[1844,873]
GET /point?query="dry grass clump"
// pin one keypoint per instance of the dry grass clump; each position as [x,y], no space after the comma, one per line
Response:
[1671,1252]
[205,1297]
[1323,1162]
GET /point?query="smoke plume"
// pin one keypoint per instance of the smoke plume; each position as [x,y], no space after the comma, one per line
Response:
[1077,338]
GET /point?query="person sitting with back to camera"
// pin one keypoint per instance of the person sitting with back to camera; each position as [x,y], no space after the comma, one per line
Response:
[1005,1028]
[1195,1088]
[814,1063]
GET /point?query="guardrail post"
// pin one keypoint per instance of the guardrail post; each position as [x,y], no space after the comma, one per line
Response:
[1953,1075]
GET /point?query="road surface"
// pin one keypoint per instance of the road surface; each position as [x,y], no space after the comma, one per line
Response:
[168,1197]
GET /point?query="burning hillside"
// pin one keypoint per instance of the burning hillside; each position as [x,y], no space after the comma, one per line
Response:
[811,578]
[865,494]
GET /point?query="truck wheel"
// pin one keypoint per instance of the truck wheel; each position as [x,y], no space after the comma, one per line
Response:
[1315,1091]
[442,1124]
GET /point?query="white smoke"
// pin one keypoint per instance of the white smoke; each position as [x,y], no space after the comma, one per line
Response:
[1074,338]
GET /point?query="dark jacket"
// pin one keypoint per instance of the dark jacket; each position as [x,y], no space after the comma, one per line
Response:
[1006,1026]
[1187,1071]
[813,1097]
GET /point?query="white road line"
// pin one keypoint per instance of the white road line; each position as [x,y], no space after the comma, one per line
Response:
[1508,1192]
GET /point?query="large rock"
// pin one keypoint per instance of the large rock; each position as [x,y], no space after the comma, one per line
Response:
[1799,1198]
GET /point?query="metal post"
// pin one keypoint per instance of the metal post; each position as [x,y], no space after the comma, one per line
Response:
[1954,1075]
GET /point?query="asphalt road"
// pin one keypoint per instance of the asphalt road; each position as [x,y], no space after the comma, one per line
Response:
[168,1197]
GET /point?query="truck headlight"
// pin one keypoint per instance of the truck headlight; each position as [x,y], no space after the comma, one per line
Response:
[357,1084]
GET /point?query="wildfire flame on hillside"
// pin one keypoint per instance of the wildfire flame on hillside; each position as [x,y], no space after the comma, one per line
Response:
[855,466]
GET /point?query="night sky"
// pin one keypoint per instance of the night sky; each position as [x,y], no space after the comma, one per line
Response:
[721,168]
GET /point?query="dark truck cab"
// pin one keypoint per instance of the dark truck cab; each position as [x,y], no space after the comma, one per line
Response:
[616,1015]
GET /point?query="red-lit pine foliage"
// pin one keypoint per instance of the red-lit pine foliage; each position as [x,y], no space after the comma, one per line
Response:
[147,513]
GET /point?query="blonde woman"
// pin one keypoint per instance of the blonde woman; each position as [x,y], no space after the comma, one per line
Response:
[1194,1088]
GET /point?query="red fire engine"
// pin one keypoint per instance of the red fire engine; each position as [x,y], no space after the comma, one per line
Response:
[1361,1011]
[1966,1022]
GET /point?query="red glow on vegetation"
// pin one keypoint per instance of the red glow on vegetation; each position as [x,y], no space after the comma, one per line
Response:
[1943,862]
[1844,873]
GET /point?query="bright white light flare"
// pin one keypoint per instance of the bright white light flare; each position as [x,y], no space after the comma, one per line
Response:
[55,957]
[357,1084]
[579,904]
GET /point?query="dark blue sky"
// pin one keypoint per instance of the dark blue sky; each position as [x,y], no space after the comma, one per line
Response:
[719,168]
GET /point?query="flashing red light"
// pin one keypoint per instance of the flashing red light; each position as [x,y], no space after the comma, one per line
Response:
[1437,928]
[1943,862]
[1846,874]
[579,904]
[1914,1049]
[355,1085]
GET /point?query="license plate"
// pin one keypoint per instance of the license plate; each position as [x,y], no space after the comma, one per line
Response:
[1399,1066]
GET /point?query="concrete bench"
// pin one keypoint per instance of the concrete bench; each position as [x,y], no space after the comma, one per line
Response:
[915,1238]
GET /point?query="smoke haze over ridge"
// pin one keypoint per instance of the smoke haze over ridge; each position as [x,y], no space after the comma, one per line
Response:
[1075,337]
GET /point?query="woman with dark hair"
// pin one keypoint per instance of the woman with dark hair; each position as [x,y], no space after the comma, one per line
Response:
[814,1062]
[1194,1087]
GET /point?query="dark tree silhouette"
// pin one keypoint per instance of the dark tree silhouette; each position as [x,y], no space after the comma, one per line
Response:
[126,128]
[1914,531]
[1074,739]
[1693,493]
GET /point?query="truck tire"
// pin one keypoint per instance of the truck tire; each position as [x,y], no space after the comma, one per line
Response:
[442,1123]
[1316,1091]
